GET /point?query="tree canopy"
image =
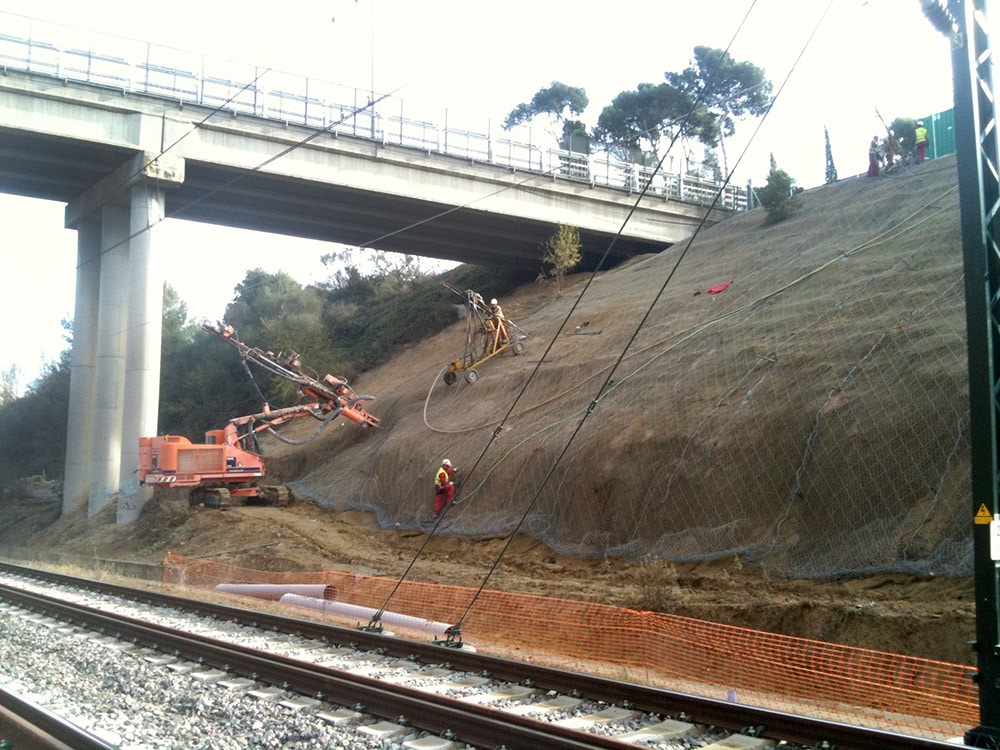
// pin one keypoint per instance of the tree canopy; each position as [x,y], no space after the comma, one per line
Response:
[905,131]
[831,168]
[702,102]
[647,115]
[558,101]
[729,89]
[9,384]
[33,427]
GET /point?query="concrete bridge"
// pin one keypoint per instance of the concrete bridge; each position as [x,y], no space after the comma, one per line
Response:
[127,144]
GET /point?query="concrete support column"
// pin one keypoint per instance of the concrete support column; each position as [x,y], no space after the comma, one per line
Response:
[111,337]
[83,376]
[117,332]
[145,323]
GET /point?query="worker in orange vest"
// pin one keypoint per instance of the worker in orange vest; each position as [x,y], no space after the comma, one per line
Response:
[444,487]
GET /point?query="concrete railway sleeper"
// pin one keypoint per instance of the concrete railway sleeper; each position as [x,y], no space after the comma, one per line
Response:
[452,697]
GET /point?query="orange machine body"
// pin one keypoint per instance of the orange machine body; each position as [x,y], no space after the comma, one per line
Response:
[174,461]
[229,461]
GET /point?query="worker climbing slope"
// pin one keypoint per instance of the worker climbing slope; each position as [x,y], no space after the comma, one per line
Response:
[444,488]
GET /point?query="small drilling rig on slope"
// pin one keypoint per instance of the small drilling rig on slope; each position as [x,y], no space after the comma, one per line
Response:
[229,463]
[486,336]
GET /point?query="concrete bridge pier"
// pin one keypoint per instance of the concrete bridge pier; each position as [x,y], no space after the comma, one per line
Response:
[83,363]
[115,365]
[112,321]
[142,353]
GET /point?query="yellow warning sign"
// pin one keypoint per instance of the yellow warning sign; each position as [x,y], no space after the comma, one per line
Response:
[983,515]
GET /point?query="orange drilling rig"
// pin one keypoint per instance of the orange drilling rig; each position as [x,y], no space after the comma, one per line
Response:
[229,463]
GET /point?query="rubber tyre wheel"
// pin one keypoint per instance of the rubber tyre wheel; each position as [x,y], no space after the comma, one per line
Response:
[471,376]
[518,348]
[450,377]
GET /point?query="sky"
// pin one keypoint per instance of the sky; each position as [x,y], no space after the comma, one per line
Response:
[833,63]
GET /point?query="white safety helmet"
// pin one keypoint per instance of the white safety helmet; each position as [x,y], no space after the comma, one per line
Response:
[446,462]
[921,123]
[493,301]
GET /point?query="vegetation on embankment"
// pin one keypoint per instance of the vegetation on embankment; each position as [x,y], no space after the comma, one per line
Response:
[345,326]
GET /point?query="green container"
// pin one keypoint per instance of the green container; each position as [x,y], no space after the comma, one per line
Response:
[941,133]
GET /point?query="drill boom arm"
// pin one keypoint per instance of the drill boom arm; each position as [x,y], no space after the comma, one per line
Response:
[329,394]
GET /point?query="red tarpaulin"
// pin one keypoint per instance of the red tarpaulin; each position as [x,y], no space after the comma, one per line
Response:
[719,288]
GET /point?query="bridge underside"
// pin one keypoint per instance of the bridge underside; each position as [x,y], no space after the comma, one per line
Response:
[61,169]
[38,165]
[270,203]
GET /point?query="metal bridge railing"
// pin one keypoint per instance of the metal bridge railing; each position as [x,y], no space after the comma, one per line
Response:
[70,53]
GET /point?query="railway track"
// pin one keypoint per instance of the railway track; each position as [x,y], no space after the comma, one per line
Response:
[24,724]
[374,688]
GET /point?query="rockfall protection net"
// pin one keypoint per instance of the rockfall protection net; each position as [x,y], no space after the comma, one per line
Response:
[812,678]
[811,418]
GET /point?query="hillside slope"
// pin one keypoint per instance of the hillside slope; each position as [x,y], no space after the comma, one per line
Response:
[811,418]
[752,450]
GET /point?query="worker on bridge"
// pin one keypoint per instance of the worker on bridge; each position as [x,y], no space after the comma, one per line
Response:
[444,488]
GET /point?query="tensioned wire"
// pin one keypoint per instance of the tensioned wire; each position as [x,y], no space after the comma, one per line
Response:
[456,629]
[905,225]
[299,144]
[212,113]
[642,322]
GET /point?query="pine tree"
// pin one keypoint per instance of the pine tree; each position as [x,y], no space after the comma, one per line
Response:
[831,169]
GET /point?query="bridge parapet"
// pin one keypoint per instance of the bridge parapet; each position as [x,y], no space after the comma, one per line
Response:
[132,66]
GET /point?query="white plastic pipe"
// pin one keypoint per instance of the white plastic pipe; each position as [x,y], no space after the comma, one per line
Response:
[353,610]
[274,591]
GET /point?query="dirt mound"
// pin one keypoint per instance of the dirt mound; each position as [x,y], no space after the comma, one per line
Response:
[717,476]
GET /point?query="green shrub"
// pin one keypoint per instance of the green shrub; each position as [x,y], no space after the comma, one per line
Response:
[778,197]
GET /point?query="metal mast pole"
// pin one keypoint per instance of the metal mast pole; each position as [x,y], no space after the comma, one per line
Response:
[965,23]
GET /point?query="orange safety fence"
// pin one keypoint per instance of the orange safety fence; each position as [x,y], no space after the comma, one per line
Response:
[860,686]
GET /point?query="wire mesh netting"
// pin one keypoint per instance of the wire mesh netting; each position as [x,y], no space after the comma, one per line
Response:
[810,418]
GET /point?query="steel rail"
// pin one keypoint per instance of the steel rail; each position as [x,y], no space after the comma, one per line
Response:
[477,725]
[734,717]
[26,724]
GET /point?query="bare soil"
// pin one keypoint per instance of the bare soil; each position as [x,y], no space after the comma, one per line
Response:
[362,504]
[928,617]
